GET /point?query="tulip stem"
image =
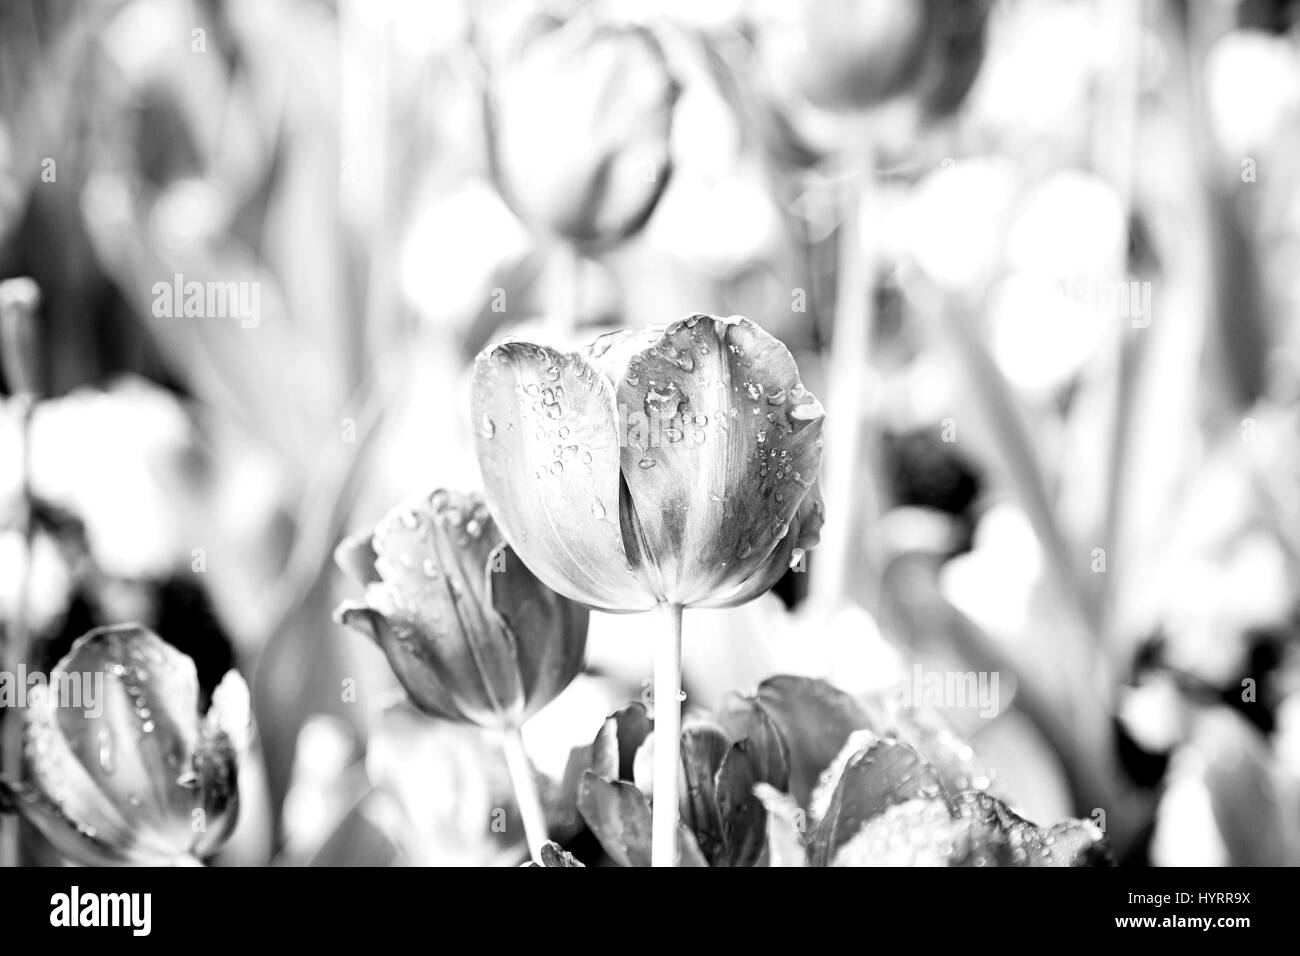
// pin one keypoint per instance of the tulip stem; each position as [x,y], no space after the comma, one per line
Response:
[562,290]
[526,793]
[852,489]
[668,735]
[17,637]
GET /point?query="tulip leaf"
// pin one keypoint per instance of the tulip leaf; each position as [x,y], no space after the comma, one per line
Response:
[884,774]
[815,719]
[741,812]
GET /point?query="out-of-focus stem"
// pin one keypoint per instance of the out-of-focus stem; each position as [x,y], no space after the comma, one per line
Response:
[19,300]
[526,794]
[851,492]
[562,290]
[667,736]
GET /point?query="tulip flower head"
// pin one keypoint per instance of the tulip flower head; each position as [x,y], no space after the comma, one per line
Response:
[579,125]
[668,466]
[470,632]
[141,778]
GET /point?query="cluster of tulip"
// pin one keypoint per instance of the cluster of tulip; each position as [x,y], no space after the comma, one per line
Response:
[661,469]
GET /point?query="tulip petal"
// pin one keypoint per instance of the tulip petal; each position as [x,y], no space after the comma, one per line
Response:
[355,556]
[882,775]
[433,557]
[549,631]
[56,771]
[703,748]
[744,720]
[548,449]
[786,824]
[74,841]
[140,749]
[742,814]
[619,815]
[620,737]
[225,737]
[815,719]
[410,660]
[805,531]
[724,443]
[1069,843]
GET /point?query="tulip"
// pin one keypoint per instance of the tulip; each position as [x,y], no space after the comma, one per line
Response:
[722,822]
[660,469]
[469,631]
[579,130]
[132,774]
[883,804]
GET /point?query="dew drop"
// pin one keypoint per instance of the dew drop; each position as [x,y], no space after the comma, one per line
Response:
[586,458]
[532,390]
[776,397]
[646,463]
[486,427]
[597,509]
[148,726]
[106,761]
[189,780]
[745,550]
[429,568]
[673,434]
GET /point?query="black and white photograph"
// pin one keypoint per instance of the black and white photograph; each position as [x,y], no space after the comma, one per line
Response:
[649,433]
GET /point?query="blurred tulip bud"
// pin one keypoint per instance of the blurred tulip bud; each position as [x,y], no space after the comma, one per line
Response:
[469,631]
[20,358]
[858,53]
[722,821]
[954,54]
[579,129]
[667,466]
[123,769]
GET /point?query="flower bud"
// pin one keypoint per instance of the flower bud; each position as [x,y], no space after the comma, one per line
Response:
[123,768]
[579,130]
[469,631]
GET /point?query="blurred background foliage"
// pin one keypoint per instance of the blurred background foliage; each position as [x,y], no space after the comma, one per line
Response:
[1097,499]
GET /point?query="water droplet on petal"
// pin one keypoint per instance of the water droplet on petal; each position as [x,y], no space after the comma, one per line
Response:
[189,780]
[597,509]
[646,463]
[486,427]
[745,550]
[557,468]
[147,726]
[106,761]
